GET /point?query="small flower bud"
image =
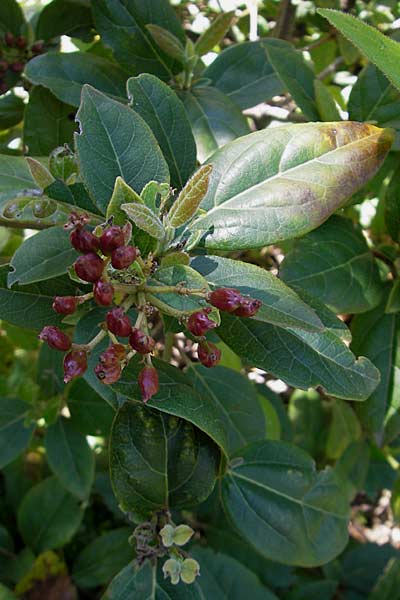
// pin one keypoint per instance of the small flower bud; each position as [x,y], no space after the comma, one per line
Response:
[141,342]
[9,39]
[17,66]
[37,47]
[208,353]
[112,238]
[190,569]
[103,293]
[148,382]
[172,569]
[118,322]
[56,339]
[182,534]
[167,535]
[89,267]
[123,257]
[75,364]
[21,42]
[114,354]
[225,299]
[108,374]
[84,241]
[248,307]
[199,323]
[65,305]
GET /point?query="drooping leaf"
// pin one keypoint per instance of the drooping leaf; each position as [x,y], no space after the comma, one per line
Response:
[14,434]
[169,461]
[378,48]
[188,201]
[65,17]
[11,111]
[164,113]
[300,174]
[283,507]
[335,264]
[215,119]
[70,458]
[66,73]
[145,219]
[48,516]
[106,151]
[244,73]
[41,136]
[214,33]
[45,255]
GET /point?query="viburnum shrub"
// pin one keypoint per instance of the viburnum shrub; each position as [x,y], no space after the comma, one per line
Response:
[199,298]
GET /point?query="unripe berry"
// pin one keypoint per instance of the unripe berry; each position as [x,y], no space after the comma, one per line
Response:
[141,342]
[199,323]
[21,42]
[75,364]
[118,322]
[248,307]
[89,267]
[108,374]
[84,241]
[123,257]
[3,66]
[114,354]
[103,293]
[208,353]
[56,339]
[65,305]
[17,67]
[226,299]
[9,39]
[37,47]
[111,239]
[148,382]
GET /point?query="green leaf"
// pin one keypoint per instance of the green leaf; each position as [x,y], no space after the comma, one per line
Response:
[236,400]
[243,72]
[388,583]
[325,103]
[122,26]
[188,201]
[301,358]
[11,111]
[344,429]
[283,507]
[48,516]
[334,264]
[101,560]
[215,33]
[14,435]
[122,194]
[44,255]
[40,173]
[170,463]
[70,458]
[66,73]
[73,195]
[172,303]
[145,219]
[65,17]
[41,136]
[376,336]
[168,42]
[15,177]
[374,99]
[378,48]
[31,305]
[280,304]
[215,119]
[11,17]
[393,301]
[392,206]
[309,419]
[299,176]
[106,151]
[164,113]
[90,414]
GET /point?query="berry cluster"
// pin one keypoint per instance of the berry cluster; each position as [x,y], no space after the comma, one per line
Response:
[14,54]
[104,253]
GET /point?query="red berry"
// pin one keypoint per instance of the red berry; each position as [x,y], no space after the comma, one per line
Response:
[198,323]
[65,305]
[118,322]
[123,257]
[75,364]
[248,307]
[208,353]
[3,66]
[111,239]
[56,339]
[84,241]
[37,47]
[89,267]
[9,39]
[148,382]
[226,299]
[141,342]
[17,67]
[114,354]
[103,293]
[21,42]
[108,374]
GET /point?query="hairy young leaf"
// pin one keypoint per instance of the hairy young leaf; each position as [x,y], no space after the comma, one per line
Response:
[280,183]
[215,32]
[164,113]
[14,435]
[283,507]
[168,42]
[66,73]
[145,219]
[114,140]
[43,256]
[170,463]
[188,201]
[335,264]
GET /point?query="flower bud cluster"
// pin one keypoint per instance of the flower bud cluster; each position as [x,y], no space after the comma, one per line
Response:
[15,52]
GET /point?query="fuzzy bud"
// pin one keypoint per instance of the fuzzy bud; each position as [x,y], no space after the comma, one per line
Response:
[118,322]
[208,353]
[199,323]
[56,339]
[141,342]
[148,382]
[75,364]
[225,299]
[65,305]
